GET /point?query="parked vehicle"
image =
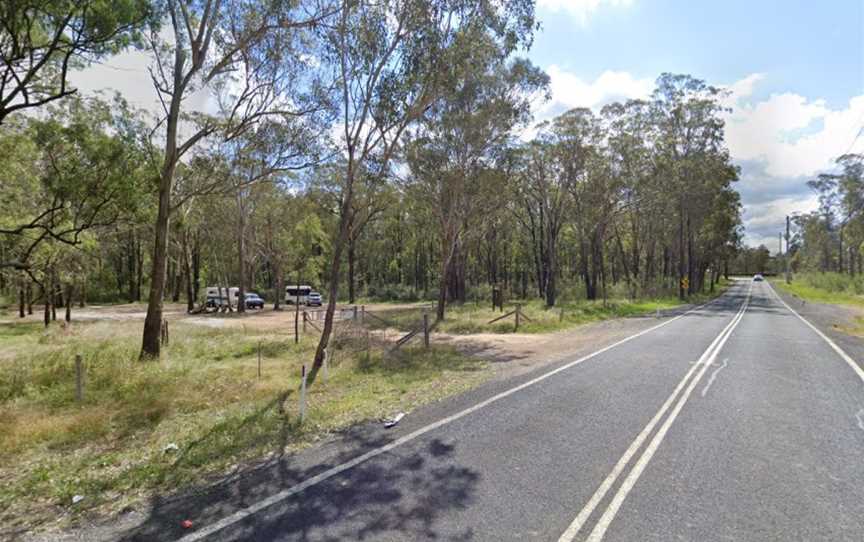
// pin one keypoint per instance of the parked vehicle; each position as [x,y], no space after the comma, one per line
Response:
[314,299]
[758,277]
[221,297]
[254,301]
[297,294]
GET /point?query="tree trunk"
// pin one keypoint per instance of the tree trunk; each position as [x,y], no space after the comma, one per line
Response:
[178,279]
[590,289]
[69,289]
[297,312]
[21,295]
[29,298]
[150,343]
[345,220]
[681,292]
[47,295]
[280,287]
[53,295]
[196,268]
[241,261]
[187,272]
[352,242]
[446,255]
[131,260]
[551,265]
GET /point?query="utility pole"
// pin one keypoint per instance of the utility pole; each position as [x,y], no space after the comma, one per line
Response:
[788,276]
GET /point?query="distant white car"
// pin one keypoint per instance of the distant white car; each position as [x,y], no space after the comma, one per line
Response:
[758,278]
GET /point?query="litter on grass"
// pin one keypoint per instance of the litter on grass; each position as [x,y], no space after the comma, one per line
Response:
[394,420]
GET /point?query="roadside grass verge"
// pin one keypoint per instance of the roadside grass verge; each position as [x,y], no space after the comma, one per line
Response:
[204,396]
[474,317]
[831,288]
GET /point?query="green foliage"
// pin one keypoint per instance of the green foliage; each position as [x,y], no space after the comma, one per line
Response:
[826,287]
[47,38]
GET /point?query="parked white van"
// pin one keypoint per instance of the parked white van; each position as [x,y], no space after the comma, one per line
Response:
[217,297]
[297,294]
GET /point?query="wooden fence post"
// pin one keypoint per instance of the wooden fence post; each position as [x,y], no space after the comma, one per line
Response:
[259,360]
[355,313]
[561,315]
[518,314]
[79,379]
[362,313]
[305,317]
[426,329]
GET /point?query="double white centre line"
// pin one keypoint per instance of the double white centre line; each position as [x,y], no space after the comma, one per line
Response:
[677,398]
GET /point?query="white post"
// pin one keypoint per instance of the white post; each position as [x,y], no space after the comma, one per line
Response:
[303,394]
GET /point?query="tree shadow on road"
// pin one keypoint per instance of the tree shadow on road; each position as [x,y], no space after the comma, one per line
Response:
[400,494]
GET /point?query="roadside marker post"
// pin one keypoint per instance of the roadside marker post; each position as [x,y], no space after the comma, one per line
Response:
[303,394]
[426,330]
[259,360]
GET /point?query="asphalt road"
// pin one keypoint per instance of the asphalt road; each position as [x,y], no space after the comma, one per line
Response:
[735,421]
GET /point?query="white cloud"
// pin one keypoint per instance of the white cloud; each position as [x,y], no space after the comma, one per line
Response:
[569,91]
[792,134]
[581,9]
[792,138]
[764,221]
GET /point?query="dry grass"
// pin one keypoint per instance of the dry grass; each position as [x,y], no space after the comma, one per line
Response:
[204,396]
[473,317]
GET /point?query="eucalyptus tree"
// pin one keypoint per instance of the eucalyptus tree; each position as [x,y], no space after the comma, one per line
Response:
[254,57]
[544,205]
[841,208]
[391,59]
[456,154]
[690,128]
[78,169]
[42,40]
[585,168]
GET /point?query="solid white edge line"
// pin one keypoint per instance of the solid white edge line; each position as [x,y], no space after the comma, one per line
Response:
[849,361]
[609,514]
[252,509]
[576,525]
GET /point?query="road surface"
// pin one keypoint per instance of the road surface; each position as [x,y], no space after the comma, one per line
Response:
[735,421]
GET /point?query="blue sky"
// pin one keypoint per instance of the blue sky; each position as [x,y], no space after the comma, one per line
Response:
[796,70]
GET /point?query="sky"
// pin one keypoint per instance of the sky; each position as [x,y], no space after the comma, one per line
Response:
[795,69]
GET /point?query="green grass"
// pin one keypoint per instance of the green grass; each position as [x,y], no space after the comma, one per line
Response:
[831,288]
[473,317]
[204,395]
